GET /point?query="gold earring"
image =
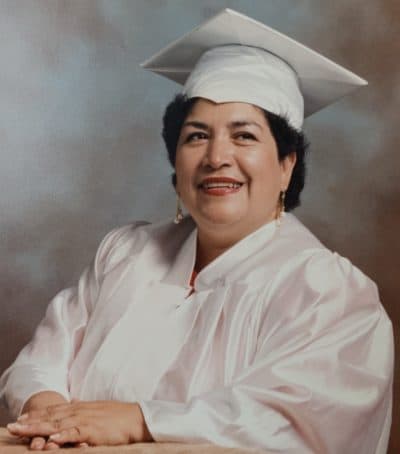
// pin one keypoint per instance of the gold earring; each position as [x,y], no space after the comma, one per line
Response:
[179,213]
[281,207]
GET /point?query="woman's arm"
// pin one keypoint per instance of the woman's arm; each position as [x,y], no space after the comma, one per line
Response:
[320,381]
[43,365]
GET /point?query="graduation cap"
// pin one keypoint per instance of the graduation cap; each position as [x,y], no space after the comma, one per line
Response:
[234,58]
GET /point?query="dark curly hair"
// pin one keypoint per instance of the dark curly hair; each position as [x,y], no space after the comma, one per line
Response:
[286,137]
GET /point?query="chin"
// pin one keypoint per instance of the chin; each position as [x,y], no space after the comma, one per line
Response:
[222,217]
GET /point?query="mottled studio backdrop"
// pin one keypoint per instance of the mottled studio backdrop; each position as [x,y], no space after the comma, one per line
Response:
[80,146]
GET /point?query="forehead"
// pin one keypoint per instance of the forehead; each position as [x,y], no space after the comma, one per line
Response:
[208,111]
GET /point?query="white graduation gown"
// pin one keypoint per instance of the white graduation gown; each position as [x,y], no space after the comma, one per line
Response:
[283,345]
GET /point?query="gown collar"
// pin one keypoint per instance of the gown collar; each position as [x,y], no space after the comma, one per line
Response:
[217,272]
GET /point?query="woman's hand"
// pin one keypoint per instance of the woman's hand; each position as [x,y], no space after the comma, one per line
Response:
[37,402]
[94,423]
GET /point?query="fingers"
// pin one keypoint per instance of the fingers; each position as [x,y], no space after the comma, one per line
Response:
[40,424]
[61,411]
[50,446]
[32,430]
[40,444]
[72,435]
[42,428]
[37,443]
[47,413]
[83,422]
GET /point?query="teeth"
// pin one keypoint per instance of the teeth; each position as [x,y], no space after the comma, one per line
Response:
[221,185]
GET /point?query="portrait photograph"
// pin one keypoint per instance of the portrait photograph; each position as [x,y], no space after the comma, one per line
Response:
[199,226]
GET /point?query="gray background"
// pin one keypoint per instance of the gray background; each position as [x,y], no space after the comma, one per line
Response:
[81,150]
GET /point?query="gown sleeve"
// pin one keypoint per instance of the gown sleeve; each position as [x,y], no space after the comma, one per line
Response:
[43,364]
[321,378]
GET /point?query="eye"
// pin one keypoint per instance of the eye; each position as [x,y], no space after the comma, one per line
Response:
[245,136]
[195,137]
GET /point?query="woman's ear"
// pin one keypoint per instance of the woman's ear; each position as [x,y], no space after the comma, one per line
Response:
[287,166]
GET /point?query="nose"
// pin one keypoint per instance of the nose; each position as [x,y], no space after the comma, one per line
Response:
[218,153]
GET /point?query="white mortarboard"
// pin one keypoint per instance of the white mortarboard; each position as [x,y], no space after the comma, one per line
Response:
[234,58]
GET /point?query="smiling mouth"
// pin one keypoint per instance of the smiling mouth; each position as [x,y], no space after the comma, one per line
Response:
[220,188]
[221,185]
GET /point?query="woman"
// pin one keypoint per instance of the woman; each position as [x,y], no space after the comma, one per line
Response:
[235,325]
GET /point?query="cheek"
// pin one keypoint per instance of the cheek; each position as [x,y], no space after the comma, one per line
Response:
[185,167]
[179,163]
[262,168]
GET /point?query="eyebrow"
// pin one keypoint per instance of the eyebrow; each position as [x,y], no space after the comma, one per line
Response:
[241,123]
[232,125]
[196,124]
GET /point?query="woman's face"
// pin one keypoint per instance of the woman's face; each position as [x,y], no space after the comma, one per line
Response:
[227,167]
